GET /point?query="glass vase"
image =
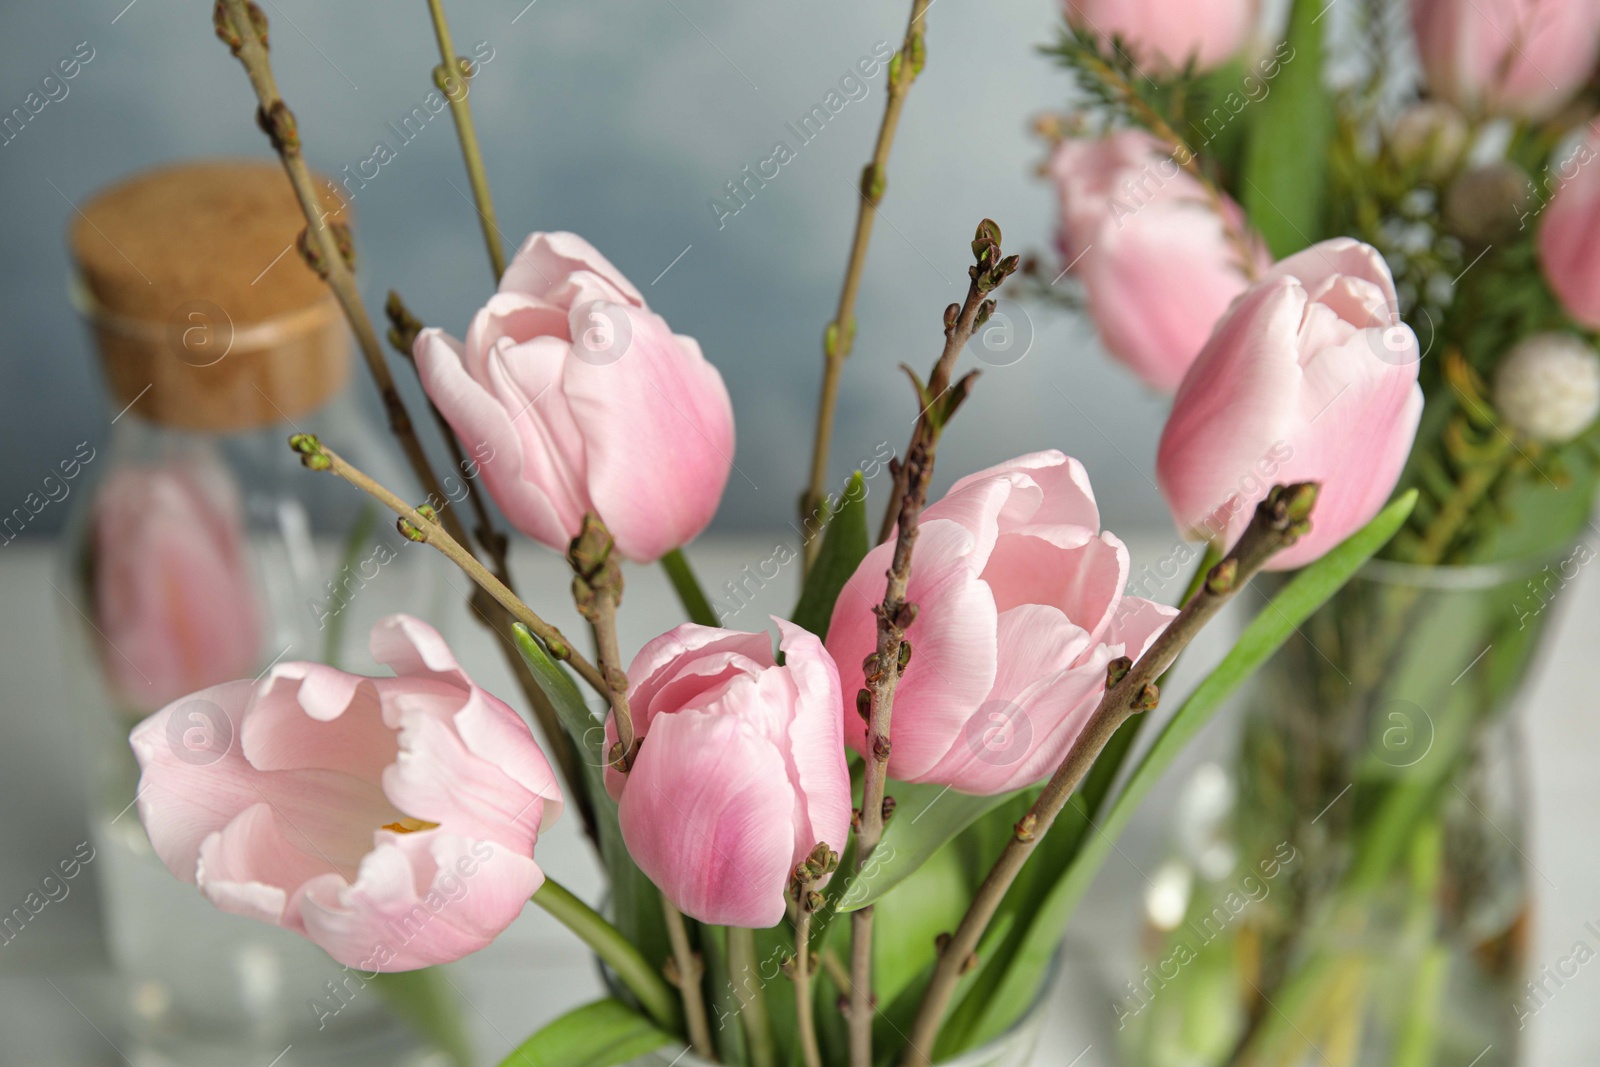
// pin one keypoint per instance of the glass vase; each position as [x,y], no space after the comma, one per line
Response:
[1357,890]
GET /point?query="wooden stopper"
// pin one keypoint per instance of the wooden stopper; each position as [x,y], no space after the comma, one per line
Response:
[205,315]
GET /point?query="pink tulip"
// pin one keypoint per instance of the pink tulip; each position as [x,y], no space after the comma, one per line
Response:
[741,773]
[1150,249]
[1020,608]
[174,603]
[1568,252]
[1310,377]
[391,821]
[1523,58]
[577,397]
[1162,35]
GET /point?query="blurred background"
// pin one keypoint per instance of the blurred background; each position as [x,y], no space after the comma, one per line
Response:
[586,130]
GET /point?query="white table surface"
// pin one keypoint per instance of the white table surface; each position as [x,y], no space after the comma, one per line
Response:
[52,982]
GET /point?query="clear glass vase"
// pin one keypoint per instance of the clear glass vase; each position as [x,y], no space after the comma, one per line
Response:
[192,559]
[1357,890]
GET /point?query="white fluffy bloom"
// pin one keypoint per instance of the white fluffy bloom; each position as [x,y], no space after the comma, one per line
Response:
[1548,386]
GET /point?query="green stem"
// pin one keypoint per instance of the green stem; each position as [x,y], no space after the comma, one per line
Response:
[471,154]
[690,595]
[752,999]
[635,972]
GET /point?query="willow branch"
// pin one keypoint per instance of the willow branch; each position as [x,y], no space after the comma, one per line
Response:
[807,900]
[895,614]
[685,972]
[467,134]
[597,591]
[422,524]
[840,335]
[1281,519]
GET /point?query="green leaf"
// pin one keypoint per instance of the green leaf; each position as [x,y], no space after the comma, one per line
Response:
[926,818]
[1308,591]
[844,544]
[603,1034]
[1284,176]
[425,1002]
[635,903]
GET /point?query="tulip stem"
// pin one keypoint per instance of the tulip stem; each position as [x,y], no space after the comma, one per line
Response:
[466,132]
[939,401]
[690,595]
[618,953]
[747,988]
[242,26]
[840,334]
[688,970]
[1278,522]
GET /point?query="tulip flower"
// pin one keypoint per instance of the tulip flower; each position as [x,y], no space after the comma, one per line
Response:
[1151,250]
[1163,37]
[741,773]
[1522,58]
[392,821]
[578,398]
[174,604]
[1310,376]
[1020,609]
[1568,253]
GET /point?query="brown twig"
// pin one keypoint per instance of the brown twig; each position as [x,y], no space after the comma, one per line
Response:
[243,27]
[840,334]
[883,669]
[597,591]
[423,525]
[822,862]
[686,971]
[1281,519]
[467,134]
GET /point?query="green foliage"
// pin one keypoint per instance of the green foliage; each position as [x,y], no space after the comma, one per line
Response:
[605,1033]
[844,543]
[1283,178]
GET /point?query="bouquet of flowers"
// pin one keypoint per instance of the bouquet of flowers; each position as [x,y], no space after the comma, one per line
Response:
[1225,201]
[861,846]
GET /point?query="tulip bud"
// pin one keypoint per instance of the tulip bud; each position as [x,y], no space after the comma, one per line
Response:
[1151,251]
[1024,614]
[174,602]
[1548,387]
[1309,378]
[744,759]
[1506,57]
[588,402]
[1166,37]
[1569,255]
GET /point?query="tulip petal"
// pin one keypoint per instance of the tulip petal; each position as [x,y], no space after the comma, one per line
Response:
[707,814]
[816,738]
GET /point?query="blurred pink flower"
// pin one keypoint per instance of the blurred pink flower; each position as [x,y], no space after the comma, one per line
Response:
[1523,58]
[392,821]
[1163,35]
[741,773]
[173,598]
[1020,608]
[1311,376]
[1151,250]
[1568,251]
[577,398]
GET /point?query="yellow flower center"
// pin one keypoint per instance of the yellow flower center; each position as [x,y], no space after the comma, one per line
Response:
[408,825]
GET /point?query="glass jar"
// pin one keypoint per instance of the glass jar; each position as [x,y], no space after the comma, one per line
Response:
[200,551]
[1358,890]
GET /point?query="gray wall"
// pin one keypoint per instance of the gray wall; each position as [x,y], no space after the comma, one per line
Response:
[619,121]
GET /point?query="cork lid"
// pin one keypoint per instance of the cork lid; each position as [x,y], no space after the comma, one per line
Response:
[205,315]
